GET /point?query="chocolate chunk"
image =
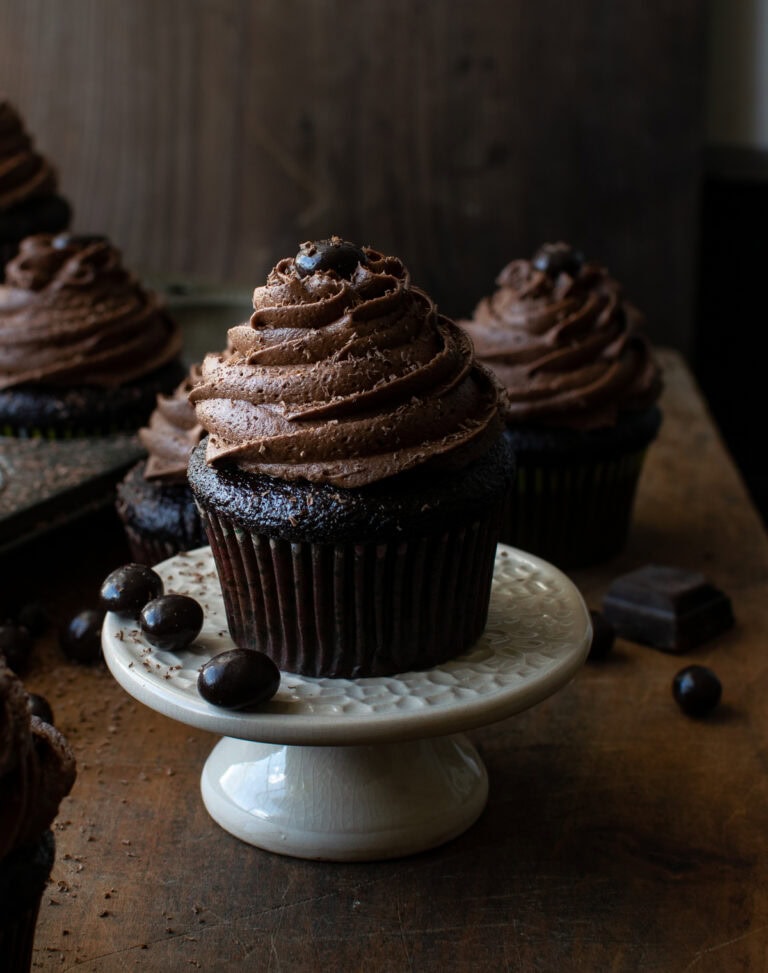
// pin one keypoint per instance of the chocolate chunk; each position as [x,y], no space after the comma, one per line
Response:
[667,607]
[335,254]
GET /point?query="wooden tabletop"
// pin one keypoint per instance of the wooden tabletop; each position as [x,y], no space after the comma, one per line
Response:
[619,834]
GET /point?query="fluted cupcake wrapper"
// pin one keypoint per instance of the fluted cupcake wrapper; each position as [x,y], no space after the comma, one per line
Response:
[351,610]
[17,937]
[574,514]
[23,879]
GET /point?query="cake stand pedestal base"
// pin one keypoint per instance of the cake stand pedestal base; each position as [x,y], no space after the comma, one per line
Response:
[369,768]
[345,803]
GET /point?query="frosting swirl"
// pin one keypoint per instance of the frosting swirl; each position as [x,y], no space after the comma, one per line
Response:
[37,768]
[566,346]
[23,171]
[345,378]
[71,314]
[172,433]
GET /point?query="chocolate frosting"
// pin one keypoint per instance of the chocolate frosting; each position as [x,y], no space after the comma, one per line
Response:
[23,172]
[345,378]
[72,315]
[568,349]
[37,768]
[172,433]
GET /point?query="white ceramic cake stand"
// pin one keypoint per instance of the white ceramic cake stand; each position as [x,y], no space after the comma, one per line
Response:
[362,769]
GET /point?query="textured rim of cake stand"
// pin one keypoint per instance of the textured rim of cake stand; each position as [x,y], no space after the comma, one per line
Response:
[342,769]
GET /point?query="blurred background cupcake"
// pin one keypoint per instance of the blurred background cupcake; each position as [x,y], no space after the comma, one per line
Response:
[84,348]
[37,770]
[154,500]
[29,202]
[353,476]
[581,391]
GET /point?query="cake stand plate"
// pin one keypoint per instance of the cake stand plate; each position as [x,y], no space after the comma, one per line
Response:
[360,769]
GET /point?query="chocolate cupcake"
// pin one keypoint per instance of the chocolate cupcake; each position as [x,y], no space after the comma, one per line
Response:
[29,202]
[581,408]
[352,479]
[37,770]
[84,349]
[154,500]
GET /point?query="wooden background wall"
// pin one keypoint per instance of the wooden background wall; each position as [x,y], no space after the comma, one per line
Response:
[209,137]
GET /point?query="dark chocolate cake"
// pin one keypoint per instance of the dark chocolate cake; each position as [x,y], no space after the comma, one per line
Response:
[160,519]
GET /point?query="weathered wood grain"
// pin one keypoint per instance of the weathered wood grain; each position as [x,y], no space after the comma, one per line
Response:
[209,137]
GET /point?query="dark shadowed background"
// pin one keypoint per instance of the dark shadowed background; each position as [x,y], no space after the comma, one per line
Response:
[209,137]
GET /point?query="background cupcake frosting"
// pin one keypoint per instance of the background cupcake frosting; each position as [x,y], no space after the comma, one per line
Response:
[564,343]
[154,501]
[172,433]
[23,171]
[71,314]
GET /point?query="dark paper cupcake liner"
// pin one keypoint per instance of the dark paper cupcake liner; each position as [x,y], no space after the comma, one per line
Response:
[352,610]
[17,937]
[575,514]
[23,879]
